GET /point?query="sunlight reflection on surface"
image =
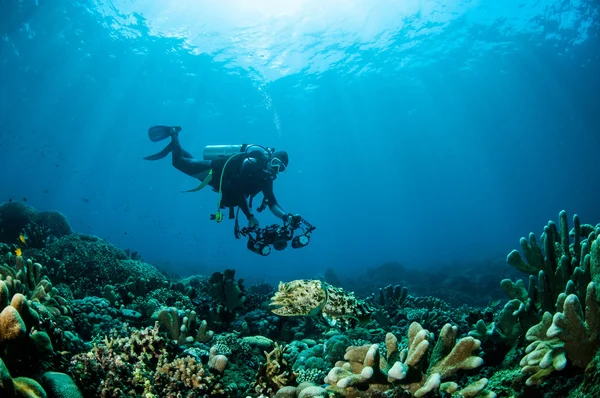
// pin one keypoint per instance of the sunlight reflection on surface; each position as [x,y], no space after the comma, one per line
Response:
[277,38]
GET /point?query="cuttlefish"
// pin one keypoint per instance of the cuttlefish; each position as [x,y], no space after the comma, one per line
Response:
[306,297]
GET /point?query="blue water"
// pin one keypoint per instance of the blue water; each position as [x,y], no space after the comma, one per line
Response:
[423,132]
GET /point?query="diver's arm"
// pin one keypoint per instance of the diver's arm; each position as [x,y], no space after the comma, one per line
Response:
[272,201]
[243,203]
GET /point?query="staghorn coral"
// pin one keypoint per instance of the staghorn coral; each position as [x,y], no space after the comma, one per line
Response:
[141,365]
[275,373]
[119,366]
[313,297]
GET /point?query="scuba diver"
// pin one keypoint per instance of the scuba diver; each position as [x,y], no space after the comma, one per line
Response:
[238,173]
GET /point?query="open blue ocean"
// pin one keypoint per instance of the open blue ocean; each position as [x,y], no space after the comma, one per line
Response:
[424,139]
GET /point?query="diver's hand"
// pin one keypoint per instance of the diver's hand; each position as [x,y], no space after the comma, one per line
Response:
[293,219]
[252,222]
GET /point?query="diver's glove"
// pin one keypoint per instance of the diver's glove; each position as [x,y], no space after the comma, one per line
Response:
[252,222]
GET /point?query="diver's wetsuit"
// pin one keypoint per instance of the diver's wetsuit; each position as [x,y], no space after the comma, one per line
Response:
[245,177]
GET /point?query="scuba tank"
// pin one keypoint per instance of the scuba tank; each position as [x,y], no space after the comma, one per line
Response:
[212,152]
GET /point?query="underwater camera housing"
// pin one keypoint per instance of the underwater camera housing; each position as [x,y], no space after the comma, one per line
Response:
[261,240]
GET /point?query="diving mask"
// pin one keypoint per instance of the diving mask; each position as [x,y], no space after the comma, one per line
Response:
[277,165]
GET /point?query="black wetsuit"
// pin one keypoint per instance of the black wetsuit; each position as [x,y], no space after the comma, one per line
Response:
[245,177]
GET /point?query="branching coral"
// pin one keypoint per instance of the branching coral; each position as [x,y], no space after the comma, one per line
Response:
[565,262]
[28,278]
[563,256]
[182,327]
[119,366]
[275,373]
[140,365]
[550,310]
[416,369]
[569,334]
[226,290]
[185,377]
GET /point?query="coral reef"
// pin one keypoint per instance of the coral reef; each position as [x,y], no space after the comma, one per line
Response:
[418,369]
[91,263]
[80,317]
[549,312]
[17,218]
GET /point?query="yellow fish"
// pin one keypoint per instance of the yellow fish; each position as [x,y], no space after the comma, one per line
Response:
[18,252]
[23,239]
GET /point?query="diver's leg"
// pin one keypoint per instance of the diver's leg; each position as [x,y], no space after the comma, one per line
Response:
[185,162]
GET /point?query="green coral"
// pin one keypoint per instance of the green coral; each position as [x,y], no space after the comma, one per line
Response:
[228,291]
[60,385]
[184,328]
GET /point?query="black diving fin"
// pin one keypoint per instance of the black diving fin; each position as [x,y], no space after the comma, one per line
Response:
[166,150]
[159,133]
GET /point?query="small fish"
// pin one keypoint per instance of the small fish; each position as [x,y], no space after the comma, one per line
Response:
[23,239]
[495,303]
[18,251]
